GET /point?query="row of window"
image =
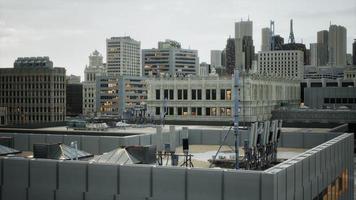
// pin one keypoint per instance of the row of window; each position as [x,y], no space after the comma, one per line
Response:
[36,118]
[195,111]
[30,100]
[196,94]
[30,78]
[340,100]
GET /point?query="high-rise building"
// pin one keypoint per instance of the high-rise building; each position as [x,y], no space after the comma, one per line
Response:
[322,48]
[314,54]
[354,52]
[266,39]
[243,29]
[337,45]
[230,55]
[33,92]
[95,59]
[278,42]
[215,58]
[169,58]
[287,64]
[96,68]
[121,96]
[123,56]
[249,51]
[74,98]
[223,58]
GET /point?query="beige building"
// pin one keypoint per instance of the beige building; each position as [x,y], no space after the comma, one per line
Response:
[286,64]
[210,98]
[33,92]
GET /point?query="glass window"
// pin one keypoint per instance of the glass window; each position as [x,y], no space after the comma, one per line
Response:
[171,94]
[165,94]
[158,110]
[222,94]
[228,94]
[207,111]
[185,94]
[213,94]
[199,94]
[180,110]
[194,94]
[180,95]
[207,94]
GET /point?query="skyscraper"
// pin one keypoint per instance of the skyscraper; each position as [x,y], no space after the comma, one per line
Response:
[249,51]
[169,58]
[337,45]
[278,42]
[266,39]
[242,29]
[230,55]
[314,54]
[95,59]
[123,56]
[322,48]
[215,58]
[354,53]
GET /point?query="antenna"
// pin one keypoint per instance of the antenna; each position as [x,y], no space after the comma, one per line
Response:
[291,35]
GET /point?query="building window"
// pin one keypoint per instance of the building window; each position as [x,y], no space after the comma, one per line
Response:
[165,94]
[213,94]
[207,111]
[158,94]
[171,94]
[207,95]
[222,94]
[158,110]
[228,94]
[194,94]
[326,100]
[182,110]
[180,94]
[185,94]
[199,94]
[170,110]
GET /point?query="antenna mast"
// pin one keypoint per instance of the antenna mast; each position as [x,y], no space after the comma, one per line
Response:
[291,35]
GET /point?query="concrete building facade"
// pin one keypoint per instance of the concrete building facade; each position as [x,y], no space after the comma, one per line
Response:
[266,39]
[215,58]
[288,64]
[33,92]
[337,45]
[210,98]
[96,68]
[322,48]
[123,56]
[169,58]
[116,96]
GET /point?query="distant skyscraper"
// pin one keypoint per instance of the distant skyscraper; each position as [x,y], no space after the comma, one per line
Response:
[314,54]
[169,58]
[354,52]
[278,42]
[215,58]
[242,29]
[266,39]
[337,45]
[249,51]
[322,48]
[95,59]
[223,58]
[230,55]
[123,56]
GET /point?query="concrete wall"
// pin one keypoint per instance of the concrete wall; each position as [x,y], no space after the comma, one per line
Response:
[302,177]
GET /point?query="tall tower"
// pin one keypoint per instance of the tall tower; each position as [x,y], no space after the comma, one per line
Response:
[337,45]
[243,29]
[95,59]
[291,34]
[123,56]
[266,39]
[230,55]
[322,47]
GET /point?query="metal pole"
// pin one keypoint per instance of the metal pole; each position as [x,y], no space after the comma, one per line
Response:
[236,115]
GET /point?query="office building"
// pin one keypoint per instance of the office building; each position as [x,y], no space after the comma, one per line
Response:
[278,42]
[215,58]
[96,68]
[314,54]
[209,98]
[288,64]
[169,58]
[72,79]
[230,55]
[33,92]
[319,72]
[322,48]
[120,96]
[123,56]
[244,45]
[337,45]
[266,39]
[74,99]
[223,58]
[3,116]
[204,69]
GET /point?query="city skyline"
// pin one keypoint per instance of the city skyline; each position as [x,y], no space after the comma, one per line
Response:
[40,28]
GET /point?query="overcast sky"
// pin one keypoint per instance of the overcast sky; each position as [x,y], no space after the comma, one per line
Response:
[69,30]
